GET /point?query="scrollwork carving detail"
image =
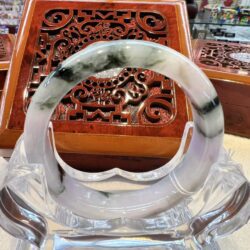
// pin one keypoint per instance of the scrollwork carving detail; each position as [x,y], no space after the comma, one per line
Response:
[220,55]
[134,97]
[3,49]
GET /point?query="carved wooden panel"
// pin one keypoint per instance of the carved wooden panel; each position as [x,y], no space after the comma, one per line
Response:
[136,102]
[134,96]
[6,47]
[3,52]
[221,56]
[226,56]
[228,67]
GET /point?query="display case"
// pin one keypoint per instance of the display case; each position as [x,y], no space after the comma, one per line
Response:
[225,22]
[10,13]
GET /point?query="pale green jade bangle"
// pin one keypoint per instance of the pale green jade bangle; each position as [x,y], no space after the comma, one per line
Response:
[186,178]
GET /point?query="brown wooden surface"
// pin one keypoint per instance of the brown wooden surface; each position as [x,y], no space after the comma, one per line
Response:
[235,98]
[231,79]
[6,48]
[3,74]
[96,163]
[54,35]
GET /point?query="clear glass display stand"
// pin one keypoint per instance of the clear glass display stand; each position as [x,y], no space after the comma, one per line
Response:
[46,204]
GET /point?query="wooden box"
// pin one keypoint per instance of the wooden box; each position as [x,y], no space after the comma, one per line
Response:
[53,30]
[228,67]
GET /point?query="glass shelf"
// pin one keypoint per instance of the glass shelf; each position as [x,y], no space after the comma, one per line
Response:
[203,27]
[10,14]
[203,18]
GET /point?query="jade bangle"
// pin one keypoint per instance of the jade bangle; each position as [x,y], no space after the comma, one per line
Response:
[186,178]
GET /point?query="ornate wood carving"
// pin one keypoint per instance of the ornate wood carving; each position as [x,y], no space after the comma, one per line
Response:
[228,67]
[134,96]
[231,56]
[137,102]
[6,47]
[3,52]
